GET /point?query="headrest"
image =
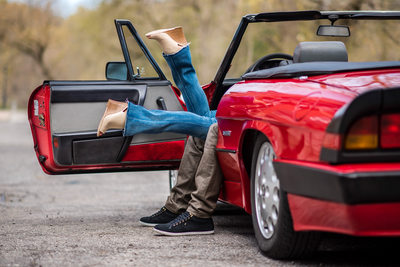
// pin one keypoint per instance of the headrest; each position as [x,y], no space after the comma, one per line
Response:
[320,51]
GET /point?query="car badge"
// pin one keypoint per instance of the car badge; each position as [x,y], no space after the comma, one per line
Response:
[226,133]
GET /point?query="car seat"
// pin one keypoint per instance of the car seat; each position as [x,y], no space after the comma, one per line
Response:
[320,51]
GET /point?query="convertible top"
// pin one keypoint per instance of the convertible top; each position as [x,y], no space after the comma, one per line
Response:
[318,68]
[316,15]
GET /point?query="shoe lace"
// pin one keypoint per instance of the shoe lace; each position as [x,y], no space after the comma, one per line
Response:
[161,211]
[184,217]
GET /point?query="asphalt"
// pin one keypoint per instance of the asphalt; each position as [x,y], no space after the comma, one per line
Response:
[92,220]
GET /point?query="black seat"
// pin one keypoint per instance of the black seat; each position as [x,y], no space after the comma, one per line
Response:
[320,51]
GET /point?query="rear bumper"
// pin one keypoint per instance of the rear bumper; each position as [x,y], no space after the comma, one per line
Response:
[356,200]
[356,185]
[309,214]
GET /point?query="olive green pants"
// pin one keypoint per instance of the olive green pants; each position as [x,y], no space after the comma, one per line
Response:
[199,177]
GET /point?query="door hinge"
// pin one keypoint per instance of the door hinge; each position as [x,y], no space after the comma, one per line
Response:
[42,158]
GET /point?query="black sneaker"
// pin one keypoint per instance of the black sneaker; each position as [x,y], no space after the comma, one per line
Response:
[161,216]
[186,224]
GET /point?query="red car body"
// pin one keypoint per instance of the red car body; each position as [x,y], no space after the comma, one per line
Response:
[294,114]
[334,129]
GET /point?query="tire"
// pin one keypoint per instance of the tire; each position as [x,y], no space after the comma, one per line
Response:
[272,222]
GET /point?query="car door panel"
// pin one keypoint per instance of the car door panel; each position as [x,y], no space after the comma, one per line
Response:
[79,106]
[64,116]
[64,129]
[75,109]
[74,124]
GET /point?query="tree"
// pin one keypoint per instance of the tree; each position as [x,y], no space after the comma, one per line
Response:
[36,44]
[27,29]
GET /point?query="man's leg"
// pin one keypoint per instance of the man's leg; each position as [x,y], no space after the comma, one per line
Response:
[197,218]
[180,195]
[178,200]
[208,179]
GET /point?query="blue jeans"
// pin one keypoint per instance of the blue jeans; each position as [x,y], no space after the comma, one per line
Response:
[195,122]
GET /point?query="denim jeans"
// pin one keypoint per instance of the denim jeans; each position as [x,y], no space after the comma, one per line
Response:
[195,122]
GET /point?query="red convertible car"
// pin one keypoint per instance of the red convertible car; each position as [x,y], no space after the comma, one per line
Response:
[308,141]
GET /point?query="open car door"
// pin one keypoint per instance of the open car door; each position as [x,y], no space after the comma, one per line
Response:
[64,116]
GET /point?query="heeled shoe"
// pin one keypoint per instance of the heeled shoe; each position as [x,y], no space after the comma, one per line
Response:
[114,116]
[171,40]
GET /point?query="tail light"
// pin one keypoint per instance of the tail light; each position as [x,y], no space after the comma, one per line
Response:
[365,130]
[390,131]
[363,134]
[369,133]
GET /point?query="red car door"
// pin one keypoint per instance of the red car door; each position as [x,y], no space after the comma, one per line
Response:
[64,116]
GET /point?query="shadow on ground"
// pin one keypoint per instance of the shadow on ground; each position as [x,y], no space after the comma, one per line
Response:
[335,249]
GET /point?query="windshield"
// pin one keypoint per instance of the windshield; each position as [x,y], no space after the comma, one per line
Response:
[370,40]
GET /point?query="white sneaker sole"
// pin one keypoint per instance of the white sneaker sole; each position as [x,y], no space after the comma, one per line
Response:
[184,233]
[148,224]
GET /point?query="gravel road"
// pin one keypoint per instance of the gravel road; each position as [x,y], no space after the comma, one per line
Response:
[92,220]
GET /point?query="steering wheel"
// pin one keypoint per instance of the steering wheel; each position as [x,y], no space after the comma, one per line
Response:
[264,59]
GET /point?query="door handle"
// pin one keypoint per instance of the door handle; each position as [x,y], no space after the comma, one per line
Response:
[161,103]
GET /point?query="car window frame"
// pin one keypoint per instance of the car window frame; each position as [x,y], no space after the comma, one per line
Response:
[119,23]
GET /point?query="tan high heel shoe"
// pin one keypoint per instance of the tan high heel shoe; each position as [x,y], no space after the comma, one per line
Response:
[171,40]
[114,116]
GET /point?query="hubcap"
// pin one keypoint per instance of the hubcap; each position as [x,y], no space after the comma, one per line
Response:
[266,191]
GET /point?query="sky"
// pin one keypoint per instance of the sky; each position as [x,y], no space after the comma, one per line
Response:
[68,7]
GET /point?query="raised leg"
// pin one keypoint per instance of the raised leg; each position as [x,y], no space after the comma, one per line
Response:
[141,120]
[185,78]
[177,54]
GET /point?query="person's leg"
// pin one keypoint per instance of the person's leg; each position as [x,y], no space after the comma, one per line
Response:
[208,179]
[186,80]
[180,195]
[178,200]
[141,120]
[204,194]
[177,54]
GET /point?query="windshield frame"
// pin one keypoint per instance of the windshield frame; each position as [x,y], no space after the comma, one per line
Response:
[332,16]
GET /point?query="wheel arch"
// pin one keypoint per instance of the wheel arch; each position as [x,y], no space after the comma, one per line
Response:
[247,148]
[249,136]
[285,243]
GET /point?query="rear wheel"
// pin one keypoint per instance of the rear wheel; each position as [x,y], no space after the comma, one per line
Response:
[272,223]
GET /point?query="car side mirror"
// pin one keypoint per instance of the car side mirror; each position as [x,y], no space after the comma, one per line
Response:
[333,30]
[116,71]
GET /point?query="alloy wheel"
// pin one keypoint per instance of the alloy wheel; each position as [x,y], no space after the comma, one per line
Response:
[266,191]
